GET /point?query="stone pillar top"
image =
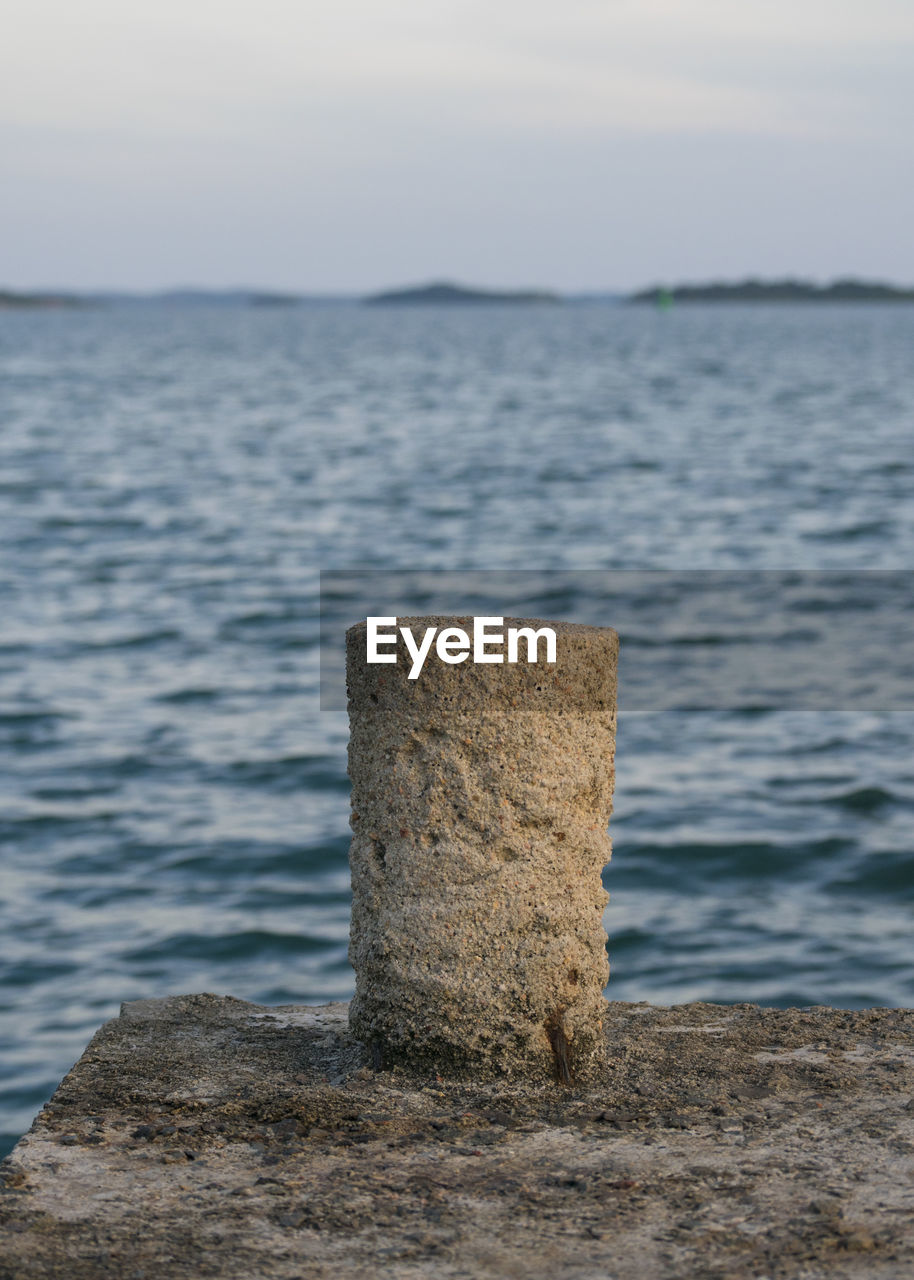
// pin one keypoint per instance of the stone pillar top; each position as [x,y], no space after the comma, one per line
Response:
[581,680]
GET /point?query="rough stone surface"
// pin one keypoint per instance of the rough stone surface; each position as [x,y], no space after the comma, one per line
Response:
[481,795]
[201,1136]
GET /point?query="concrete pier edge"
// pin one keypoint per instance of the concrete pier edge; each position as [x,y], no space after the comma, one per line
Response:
[205,1136]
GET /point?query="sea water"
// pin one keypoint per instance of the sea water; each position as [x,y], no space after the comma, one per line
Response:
[174,803]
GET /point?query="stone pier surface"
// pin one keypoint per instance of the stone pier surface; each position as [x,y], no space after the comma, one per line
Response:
[202,1136]
[481,794]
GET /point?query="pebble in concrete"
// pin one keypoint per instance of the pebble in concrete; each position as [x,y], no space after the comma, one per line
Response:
[481,795]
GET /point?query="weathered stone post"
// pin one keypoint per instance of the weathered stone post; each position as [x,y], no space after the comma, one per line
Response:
[481,795]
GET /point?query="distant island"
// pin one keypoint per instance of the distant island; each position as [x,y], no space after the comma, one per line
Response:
[10,300]
[774,291]
[443,293]
[447,294]
[183,298]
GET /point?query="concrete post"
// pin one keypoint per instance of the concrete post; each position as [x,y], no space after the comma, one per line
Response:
[481,795]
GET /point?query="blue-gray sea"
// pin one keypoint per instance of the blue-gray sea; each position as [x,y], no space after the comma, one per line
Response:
[174,803]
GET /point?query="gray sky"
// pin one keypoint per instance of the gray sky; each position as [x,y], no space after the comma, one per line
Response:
[360,143]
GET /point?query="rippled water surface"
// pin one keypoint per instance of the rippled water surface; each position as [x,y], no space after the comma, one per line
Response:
[173,804]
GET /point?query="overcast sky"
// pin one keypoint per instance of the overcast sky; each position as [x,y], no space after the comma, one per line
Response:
[353,144]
